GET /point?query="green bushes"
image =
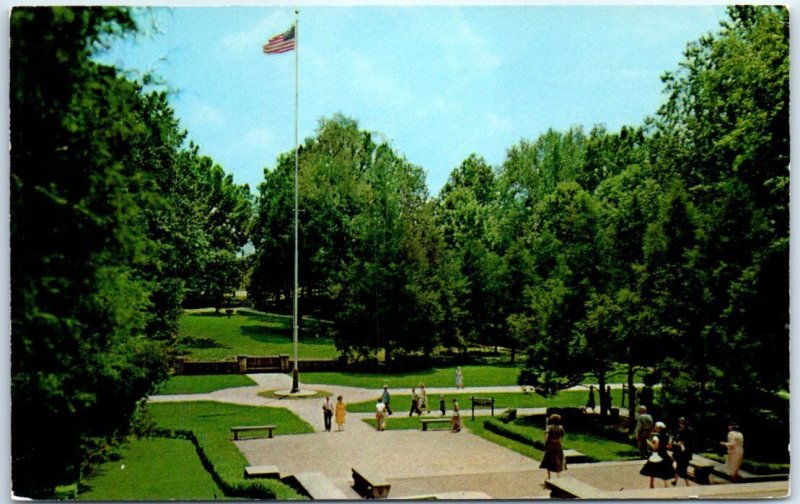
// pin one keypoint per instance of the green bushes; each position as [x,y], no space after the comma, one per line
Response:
[513,431]
[754,466]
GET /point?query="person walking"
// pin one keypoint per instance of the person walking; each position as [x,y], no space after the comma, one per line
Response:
[423,398]
[659,463]
[442,404]
[590,404]
[387,398]
[682,448]
[553,459]
[414,403]
[380,415]
[644,426]
[327,412]
[455,420]
[341,411]
[459,378]
[735,446]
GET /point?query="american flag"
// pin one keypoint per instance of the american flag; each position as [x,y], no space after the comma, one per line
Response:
[280,43]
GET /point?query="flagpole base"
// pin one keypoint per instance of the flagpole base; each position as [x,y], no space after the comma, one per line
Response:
[295,381]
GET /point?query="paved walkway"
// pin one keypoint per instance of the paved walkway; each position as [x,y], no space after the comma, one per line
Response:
[416,463]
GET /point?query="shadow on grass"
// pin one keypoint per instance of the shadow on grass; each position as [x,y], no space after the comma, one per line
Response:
[192,342]
[280,335]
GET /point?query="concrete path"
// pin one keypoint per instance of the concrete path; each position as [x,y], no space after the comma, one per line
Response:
[416,463]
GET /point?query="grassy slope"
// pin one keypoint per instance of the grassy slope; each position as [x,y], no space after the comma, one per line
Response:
[474,376]
[201,384]
[211,423]
[153,469]
[211,336]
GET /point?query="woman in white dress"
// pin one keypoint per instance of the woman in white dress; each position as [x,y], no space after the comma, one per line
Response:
[735,446]
[459,378]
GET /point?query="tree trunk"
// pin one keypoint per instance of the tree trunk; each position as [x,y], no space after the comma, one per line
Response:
[631,400]
[601,382]
[513,354]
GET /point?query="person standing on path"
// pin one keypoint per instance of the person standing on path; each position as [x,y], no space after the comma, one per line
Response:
[659,464]
[341,410]
[459,378]
[387,398]
[327,412]
[414,403]
[380,415]
[423,398]
[553,459]
[590,404]
[682,447]
[442,404]
[735,446]
[644,426]
[455,420]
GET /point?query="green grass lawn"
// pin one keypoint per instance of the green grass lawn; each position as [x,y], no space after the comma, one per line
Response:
[207,336]
[401,404]
[211,422]
[202,384]
[474,376]
[152,469]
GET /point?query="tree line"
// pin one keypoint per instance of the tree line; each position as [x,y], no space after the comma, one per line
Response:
[661,246]
[115,224]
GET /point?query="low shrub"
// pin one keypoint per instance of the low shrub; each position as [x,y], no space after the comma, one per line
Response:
[754,466]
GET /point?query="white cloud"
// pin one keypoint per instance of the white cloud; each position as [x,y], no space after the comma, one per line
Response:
[468,51]
[205,114]
[498,124]
[258,138]
[241,43]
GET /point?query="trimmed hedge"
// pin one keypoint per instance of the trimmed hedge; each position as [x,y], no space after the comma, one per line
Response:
[232,486]
[512,431]
[753,466]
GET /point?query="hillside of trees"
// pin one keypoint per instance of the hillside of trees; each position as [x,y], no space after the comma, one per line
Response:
[662,246]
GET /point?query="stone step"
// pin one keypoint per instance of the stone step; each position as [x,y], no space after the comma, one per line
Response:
[319,487]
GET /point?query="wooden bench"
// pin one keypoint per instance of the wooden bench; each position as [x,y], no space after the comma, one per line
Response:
[262,471]
[370,485]
[319,487]
[237,430]
[702,469]
[568,487]
[426,421]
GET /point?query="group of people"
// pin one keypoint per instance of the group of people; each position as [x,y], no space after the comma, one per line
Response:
[419,402]
[329,410]
[654,442]
[605,399]
[654,445]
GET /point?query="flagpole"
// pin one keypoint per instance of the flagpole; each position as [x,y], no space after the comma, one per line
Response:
[295,372]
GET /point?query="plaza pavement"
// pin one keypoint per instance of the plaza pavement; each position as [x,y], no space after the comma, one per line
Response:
[416,463]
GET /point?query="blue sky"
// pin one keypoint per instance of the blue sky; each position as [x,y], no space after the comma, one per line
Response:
[437,82]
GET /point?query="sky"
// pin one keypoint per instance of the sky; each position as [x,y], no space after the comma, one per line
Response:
[437,82]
